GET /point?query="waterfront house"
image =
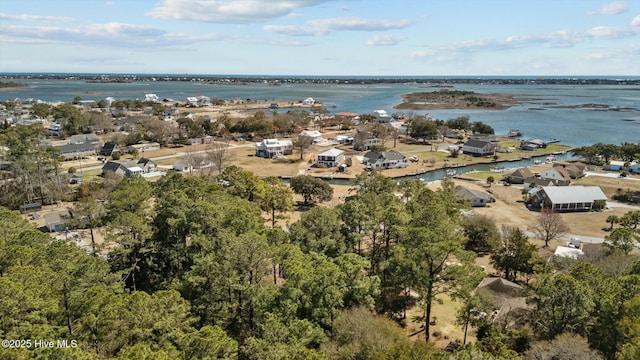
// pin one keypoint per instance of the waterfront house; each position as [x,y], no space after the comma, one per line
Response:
[532,144]
[75,151]
[477,147]
[558,174]
[382,117]
[109,148]
[385,160]
[308,101]
[332,157]
[364,140]
[568,198]
[477,198]
[151,98]
[576,169]
[269,148]
[84,138]
[519,176]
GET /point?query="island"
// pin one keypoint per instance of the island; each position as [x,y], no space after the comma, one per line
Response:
[457,99]
[12,85]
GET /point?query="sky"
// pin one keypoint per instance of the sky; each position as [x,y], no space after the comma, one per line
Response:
[322,37]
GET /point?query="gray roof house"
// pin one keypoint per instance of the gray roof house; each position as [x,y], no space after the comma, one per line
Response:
[478,147]
[385,160]
[568,198]
[56,221]
[70,151]
[128,168]
[109,148]
[476,197]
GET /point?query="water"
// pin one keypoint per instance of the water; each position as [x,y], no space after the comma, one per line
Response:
[545,117]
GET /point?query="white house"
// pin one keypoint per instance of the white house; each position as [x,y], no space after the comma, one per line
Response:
[269,148]
[145,147]
[634,168]
[476,197]
[332,157]
[151,97]
[382,116]
[614,165]
[315,134]
[478,147]
[308,101]
[385,160]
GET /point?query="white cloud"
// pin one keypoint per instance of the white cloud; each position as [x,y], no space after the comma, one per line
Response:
[359,24]
[25,17]
[636,21]
[293,30]
[228,11]
[614,8]
[324,26]
[607,32]
[598,56]
[385,40]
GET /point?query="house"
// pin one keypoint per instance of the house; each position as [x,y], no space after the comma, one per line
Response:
[332,157]
[558,174]
[519,176]
[269,148]
[84,138]
[477,147]
[385,160]
[568,252]
[129,168]
[114,167]
[634,168]
[151,98]
[308,101]
[536,182]
[314,134]
[476,197]
[364,140]
[56,222]
[382,117]
[54,129]
[576,169]
[194,164]
[72,151]
[344,139]
[507,296]
[614,165]
[532,144]
[144,147]
[568,198]
[109,148]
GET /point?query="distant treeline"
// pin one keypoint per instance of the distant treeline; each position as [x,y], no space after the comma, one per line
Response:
[215,79]
[11,84]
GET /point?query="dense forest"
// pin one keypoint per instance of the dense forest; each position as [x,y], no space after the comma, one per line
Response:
[194,270]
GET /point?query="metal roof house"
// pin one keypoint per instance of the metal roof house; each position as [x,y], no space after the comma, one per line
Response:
[332,157]
[84,138]
[568,198]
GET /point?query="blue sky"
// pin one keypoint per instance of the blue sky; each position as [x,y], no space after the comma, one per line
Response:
[322,37]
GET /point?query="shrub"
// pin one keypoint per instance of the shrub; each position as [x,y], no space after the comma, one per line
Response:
[115,156]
